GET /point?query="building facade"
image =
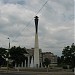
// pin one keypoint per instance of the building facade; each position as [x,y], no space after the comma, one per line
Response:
[42,56]
[29,61]
[50,56]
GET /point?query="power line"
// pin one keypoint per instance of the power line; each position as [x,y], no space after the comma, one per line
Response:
[42,7]
[32,18]
[36,13]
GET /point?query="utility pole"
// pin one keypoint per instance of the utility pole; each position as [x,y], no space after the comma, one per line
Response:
[7,59]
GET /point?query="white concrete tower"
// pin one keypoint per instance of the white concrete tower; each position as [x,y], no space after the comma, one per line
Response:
[36,48]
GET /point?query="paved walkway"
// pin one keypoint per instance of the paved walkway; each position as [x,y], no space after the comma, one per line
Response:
[38,73]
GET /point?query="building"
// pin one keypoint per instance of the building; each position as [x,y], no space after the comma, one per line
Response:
[50,56]
[42,56]
[29,61]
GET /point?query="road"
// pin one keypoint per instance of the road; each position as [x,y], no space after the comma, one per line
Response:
[38,73]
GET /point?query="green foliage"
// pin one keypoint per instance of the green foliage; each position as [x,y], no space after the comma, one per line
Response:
[17,54]
[2,52]
[58,60]
[69,55]
[65,67]
[2,56]
[46,62]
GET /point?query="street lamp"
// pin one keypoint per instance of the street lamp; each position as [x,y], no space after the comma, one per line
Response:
[9,43]
[74,63]
[7,59]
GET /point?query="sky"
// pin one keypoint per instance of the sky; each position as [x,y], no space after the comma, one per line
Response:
[56,24]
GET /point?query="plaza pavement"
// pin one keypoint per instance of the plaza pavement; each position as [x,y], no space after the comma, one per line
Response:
[37,73]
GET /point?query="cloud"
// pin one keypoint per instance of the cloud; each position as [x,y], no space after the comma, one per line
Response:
[56,23]
[21,2]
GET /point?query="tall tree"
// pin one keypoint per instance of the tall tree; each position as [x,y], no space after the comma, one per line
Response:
[17,54]
[2,56]
[46,62]
[69,55]
[59,60]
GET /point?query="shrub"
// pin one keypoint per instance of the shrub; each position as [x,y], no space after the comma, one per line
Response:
[65,67]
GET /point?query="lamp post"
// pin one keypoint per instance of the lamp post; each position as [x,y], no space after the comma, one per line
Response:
[7,59]
[74,63]
[9,43]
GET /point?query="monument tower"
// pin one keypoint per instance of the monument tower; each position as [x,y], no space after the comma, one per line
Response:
[36,48]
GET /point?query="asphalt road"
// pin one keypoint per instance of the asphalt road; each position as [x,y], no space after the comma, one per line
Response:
[38,73]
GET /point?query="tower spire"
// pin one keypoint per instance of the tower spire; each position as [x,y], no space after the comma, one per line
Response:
[36,23]
[36,49]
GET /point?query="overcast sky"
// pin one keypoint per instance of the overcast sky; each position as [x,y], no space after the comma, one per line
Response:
[56,23]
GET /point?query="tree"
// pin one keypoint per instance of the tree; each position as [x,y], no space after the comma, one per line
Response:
[69,55]
[59,60]
[2,56]
[46,62]
[17,54]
